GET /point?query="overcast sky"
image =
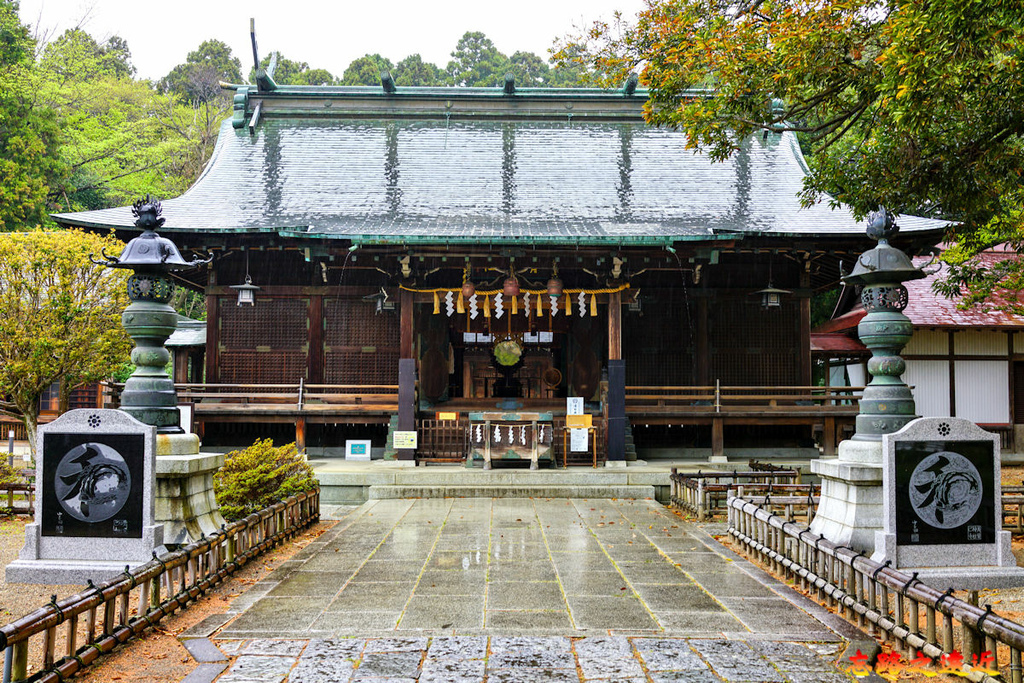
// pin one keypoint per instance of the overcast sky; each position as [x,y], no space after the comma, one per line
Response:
[324,34]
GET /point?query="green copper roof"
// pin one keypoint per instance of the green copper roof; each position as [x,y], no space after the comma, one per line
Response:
[404,179]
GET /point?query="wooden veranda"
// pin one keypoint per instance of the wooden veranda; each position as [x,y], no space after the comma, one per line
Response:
[828,413]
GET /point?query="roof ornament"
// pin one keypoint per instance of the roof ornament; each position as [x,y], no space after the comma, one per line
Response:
[387,82]
[264,77]
[629,87]
[510,84]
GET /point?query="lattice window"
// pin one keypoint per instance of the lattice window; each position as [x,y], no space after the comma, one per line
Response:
[751,346]
[275,323]
[265,344]
[262,367]
[359,347]
[657,346]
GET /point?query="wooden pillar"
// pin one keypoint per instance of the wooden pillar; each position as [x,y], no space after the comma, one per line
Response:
[616,407]
[315,361]
[829,437]
[181,365]
[212,337]
[300,434]
[702,371]
[717,438]
[406,374]
[805,332]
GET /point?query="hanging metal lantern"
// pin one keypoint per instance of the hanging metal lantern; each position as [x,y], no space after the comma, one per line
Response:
[771,297]
[246,292]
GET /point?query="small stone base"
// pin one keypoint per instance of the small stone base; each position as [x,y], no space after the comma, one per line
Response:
[851,508]
[394,463]
[615,464]
[185,503]
[66,572]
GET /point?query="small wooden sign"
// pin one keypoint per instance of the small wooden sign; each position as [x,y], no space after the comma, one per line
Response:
[447,416]
[405,440]
[579,421]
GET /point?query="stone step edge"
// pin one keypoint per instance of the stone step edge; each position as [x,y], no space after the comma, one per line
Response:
[381,492]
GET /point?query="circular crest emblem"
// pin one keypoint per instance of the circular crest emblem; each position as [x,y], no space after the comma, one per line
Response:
[92,482]
[945,490]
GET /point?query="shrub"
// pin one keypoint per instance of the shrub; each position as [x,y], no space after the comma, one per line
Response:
[259,476]
[8,475]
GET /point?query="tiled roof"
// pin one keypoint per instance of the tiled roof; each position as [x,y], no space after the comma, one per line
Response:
[425,180]
[189,332]
[928,309]
[836,343]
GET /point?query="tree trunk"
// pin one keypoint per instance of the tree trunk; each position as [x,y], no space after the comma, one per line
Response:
[64,397]
[31,422]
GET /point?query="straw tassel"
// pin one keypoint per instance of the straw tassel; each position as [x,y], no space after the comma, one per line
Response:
[437,304]
[568,304]
[487,307]
[540,306]
[593,305]
[515,305]
[460,306]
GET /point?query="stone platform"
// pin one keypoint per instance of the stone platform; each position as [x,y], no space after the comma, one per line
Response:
[508,589]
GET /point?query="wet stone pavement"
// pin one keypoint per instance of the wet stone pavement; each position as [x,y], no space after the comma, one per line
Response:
[502,590]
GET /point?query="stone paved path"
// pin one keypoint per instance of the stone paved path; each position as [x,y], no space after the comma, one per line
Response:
[461,590]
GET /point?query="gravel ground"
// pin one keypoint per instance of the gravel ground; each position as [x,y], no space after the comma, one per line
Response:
[19,599]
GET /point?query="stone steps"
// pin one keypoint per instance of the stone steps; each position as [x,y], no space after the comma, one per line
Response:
[380,492]
[356,484]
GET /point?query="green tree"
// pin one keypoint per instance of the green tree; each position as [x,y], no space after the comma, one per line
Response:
[529,69]
[917,106]
[114,146]
[198,79]
[413,71]
[60,318]
[29,135]
[366,70]
[476,62]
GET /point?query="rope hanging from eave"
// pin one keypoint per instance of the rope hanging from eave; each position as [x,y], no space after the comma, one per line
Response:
[492,292]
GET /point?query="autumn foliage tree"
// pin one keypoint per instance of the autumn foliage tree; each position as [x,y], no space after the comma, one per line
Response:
[60,318]
[917,106]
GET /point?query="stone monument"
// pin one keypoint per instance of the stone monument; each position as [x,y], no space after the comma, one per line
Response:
[943,515]
[184,477]
[95,471]
[851,507]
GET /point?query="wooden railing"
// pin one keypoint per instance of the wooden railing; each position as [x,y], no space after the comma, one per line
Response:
[716,399]
[889,602]
[299,396]
[100,618]
[23,492]
[704,493]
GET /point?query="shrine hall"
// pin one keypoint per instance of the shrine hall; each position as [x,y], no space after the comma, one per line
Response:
[459,262]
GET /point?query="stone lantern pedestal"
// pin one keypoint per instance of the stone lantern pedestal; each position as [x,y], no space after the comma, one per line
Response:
[850,510]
